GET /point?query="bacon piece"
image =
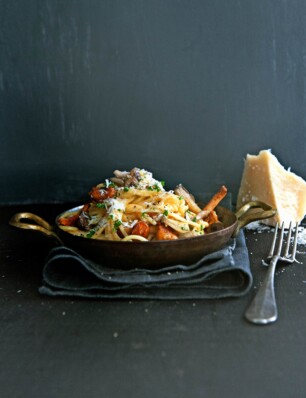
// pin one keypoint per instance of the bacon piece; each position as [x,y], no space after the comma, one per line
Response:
[141,228]
[69,221]
[99,195]
[164,233]
[212,217]
[216,199]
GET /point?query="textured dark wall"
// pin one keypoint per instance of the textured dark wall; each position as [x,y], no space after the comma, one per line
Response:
[183,88]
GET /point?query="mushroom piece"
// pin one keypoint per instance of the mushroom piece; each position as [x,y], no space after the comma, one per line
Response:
[89,217]
[126,178]
[120,177]
[182,191]
[118,181]
[214,227]
[121,174]
[133,177]
[84,220]
[202,214]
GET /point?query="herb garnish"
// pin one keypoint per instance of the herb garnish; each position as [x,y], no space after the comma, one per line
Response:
[117,224]
[154,187]
[90,233]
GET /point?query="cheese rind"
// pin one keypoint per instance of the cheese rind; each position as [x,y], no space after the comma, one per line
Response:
[265,179]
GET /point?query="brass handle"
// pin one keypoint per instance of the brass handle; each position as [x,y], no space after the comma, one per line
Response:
[19,220]
[245,215]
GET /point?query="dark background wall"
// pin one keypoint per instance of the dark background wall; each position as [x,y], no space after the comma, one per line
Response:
[182,88]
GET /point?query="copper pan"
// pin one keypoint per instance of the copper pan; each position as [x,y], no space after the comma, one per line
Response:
[153,254]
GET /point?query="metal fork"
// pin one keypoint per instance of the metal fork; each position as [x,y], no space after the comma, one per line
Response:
[263,308]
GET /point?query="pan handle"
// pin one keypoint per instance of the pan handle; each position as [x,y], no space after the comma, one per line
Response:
[245,216]
[25,221]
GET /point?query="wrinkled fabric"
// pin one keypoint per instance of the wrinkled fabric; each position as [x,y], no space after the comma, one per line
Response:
[225,273]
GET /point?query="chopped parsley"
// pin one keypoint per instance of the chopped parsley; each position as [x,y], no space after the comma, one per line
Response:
[154,187]
[165,213]
[126,189]
[101,205]
[90,233]
[117,224]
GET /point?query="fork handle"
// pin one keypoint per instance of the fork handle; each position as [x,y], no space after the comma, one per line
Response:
[263,308]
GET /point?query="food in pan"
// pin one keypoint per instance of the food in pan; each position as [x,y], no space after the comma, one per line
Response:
[134,206]
[265,179]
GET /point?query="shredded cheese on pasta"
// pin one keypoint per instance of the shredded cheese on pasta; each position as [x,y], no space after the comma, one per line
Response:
[115,218]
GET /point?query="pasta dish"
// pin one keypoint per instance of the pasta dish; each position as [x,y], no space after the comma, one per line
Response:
[133,206]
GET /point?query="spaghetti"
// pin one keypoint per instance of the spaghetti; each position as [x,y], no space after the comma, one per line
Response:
[133,206]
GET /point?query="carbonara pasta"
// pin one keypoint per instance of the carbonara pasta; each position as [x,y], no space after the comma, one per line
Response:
[133,206]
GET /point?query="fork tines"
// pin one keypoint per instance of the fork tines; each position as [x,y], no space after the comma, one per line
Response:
[286,256]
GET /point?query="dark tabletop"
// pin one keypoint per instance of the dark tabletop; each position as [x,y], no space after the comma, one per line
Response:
[58,347]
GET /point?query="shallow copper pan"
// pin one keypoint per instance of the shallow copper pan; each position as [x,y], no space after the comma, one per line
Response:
[153,254]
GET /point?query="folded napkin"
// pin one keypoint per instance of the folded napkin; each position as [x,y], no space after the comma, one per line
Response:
[225,273]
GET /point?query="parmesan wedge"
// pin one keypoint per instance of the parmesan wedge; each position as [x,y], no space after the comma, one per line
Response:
[265,179]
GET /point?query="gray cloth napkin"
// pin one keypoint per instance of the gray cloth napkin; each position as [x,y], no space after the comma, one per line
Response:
[225,273]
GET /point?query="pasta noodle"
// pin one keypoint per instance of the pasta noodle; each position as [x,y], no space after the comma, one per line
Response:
[134,207]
